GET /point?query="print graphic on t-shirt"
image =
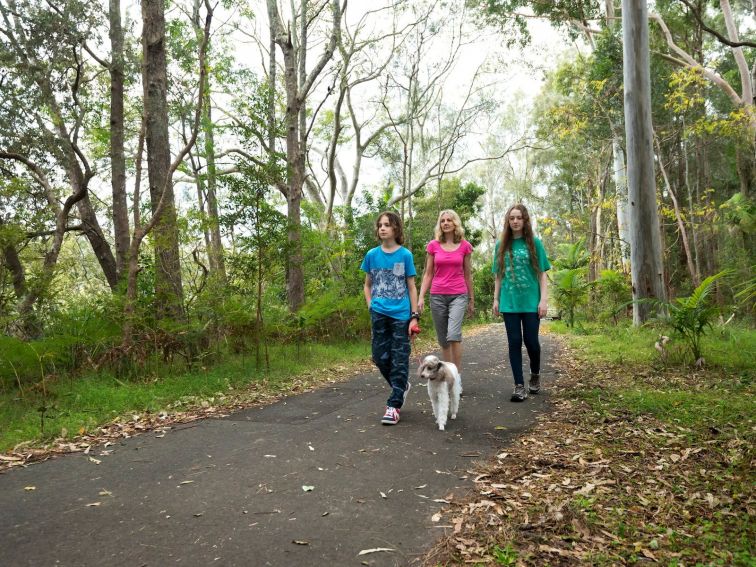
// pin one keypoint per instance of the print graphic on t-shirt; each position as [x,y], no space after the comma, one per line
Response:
[387,284]
[522,263]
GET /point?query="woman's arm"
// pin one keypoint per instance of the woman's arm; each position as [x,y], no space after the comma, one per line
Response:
[426,283]
[467,269]
[543,305]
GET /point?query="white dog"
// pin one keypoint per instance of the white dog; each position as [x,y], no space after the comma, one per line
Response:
[444,387]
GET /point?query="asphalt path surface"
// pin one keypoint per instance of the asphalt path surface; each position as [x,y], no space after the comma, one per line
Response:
[311,480]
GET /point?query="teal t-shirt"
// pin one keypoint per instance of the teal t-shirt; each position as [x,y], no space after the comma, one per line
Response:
[520,292]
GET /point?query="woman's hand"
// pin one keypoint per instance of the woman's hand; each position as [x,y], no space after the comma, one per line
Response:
[421,305]
[542,309]
[470,307]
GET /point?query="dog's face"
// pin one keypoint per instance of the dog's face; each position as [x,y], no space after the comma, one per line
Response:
[430,369]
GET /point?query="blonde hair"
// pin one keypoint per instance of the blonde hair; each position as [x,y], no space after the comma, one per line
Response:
[459,232]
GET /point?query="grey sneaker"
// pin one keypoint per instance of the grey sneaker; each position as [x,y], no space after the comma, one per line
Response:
[520,394]
[535,383]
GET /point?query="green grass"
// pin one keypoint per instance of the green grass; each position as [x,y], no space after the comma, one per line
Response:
[730,347]
[83,403]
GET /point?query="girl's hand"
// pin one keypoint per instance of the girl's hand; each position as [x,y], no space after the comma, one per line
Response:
[421,305]
[496,307]
[542,309]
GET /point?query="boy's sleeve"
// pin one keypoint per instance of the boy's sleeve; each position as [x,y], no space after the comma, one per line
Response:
[543,260]
[409,266]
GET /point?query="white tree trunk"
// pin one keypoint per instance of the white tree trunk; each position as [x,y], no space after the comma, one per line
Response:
[646,251]
[623,212]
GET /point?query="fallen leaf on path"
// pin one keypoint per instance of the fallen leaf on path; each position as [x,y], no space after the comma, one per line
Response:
[307,488]
[30,488]
[375,550]
[95,461]
[300,542]
[93,504]
[436,517]
[383,494]
[186,482]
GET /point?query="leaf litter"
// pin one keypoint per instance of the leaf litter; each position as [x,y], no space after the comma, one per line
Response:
[599,484]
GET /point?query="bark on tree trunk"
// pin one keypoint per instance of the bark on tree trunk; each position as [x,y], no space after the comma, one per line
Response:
[623,213]
[646,255]
[117,156]
[217,262]
[97,240]
[169,294]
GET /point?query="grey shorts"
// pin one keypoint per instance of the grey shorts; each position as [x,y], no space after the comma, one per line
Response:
[448,312]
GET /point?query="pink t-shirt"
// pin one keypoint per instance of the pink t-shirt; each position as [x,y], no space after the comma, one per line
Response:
[448,268]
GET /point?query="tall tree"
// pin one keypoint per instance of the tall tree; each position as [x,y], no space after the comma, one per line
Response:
[169,294]
[293,42]
[647,269]
[117,156]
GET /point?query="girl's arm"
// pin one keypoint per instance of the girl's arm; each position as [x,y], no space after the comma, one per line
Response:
[467,269]
[497,289]
[367,289]
[543,304]
[426,283]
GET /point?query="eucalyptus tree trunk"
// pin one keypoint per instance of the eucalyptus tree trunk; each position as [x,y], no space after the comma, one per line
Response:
[169,293]
[117,157]
[623,212]
[298,84]
[646,250]
[215,252]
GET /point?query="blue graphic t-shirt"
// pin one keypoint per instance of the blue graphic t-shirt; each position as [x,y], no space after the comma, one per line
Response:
[388,274]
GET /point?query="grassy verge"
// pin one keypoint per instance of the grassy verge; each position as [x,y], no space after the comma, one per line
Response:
[74,406]
[643,459]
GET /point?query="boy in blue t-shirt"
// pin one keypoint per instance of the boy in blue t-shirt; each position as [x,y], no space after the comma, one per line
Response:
[391,296]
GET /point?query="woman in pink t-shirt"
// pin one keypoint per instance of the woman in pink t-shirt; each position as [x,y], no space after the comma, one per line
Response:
[448,276]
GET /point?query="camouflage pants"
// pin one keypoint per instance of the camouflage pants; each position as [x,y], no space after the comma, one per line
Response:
[391,350]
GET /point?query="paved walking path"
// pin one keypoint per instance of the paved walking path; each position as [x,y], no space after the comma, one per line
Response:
[230,491]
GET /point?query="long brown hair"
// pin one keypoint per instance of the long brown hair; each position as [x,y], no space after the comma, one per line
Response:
[507,236]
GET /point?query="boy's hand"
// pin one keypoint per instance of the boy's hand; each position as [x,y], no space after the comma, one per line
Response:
[414,328]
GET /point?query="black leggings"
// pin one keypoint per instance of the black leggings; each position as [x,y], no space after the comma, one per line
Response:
[523,326]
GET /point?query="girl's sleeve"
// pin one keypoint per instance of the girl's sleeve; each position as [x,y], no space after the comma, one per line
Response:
[494,267]
[543,260]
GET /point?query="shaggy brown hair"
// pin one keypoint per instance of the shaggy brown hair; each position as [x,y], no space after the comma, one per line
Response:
[396,223]
[507,236]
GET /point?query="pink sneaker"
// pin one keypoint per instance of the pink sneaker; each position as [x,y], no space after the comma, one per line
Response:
[391,417]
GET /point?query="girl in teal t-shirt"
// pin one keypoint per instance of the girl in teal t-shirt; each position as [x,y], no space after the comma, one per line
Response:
[520,294]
